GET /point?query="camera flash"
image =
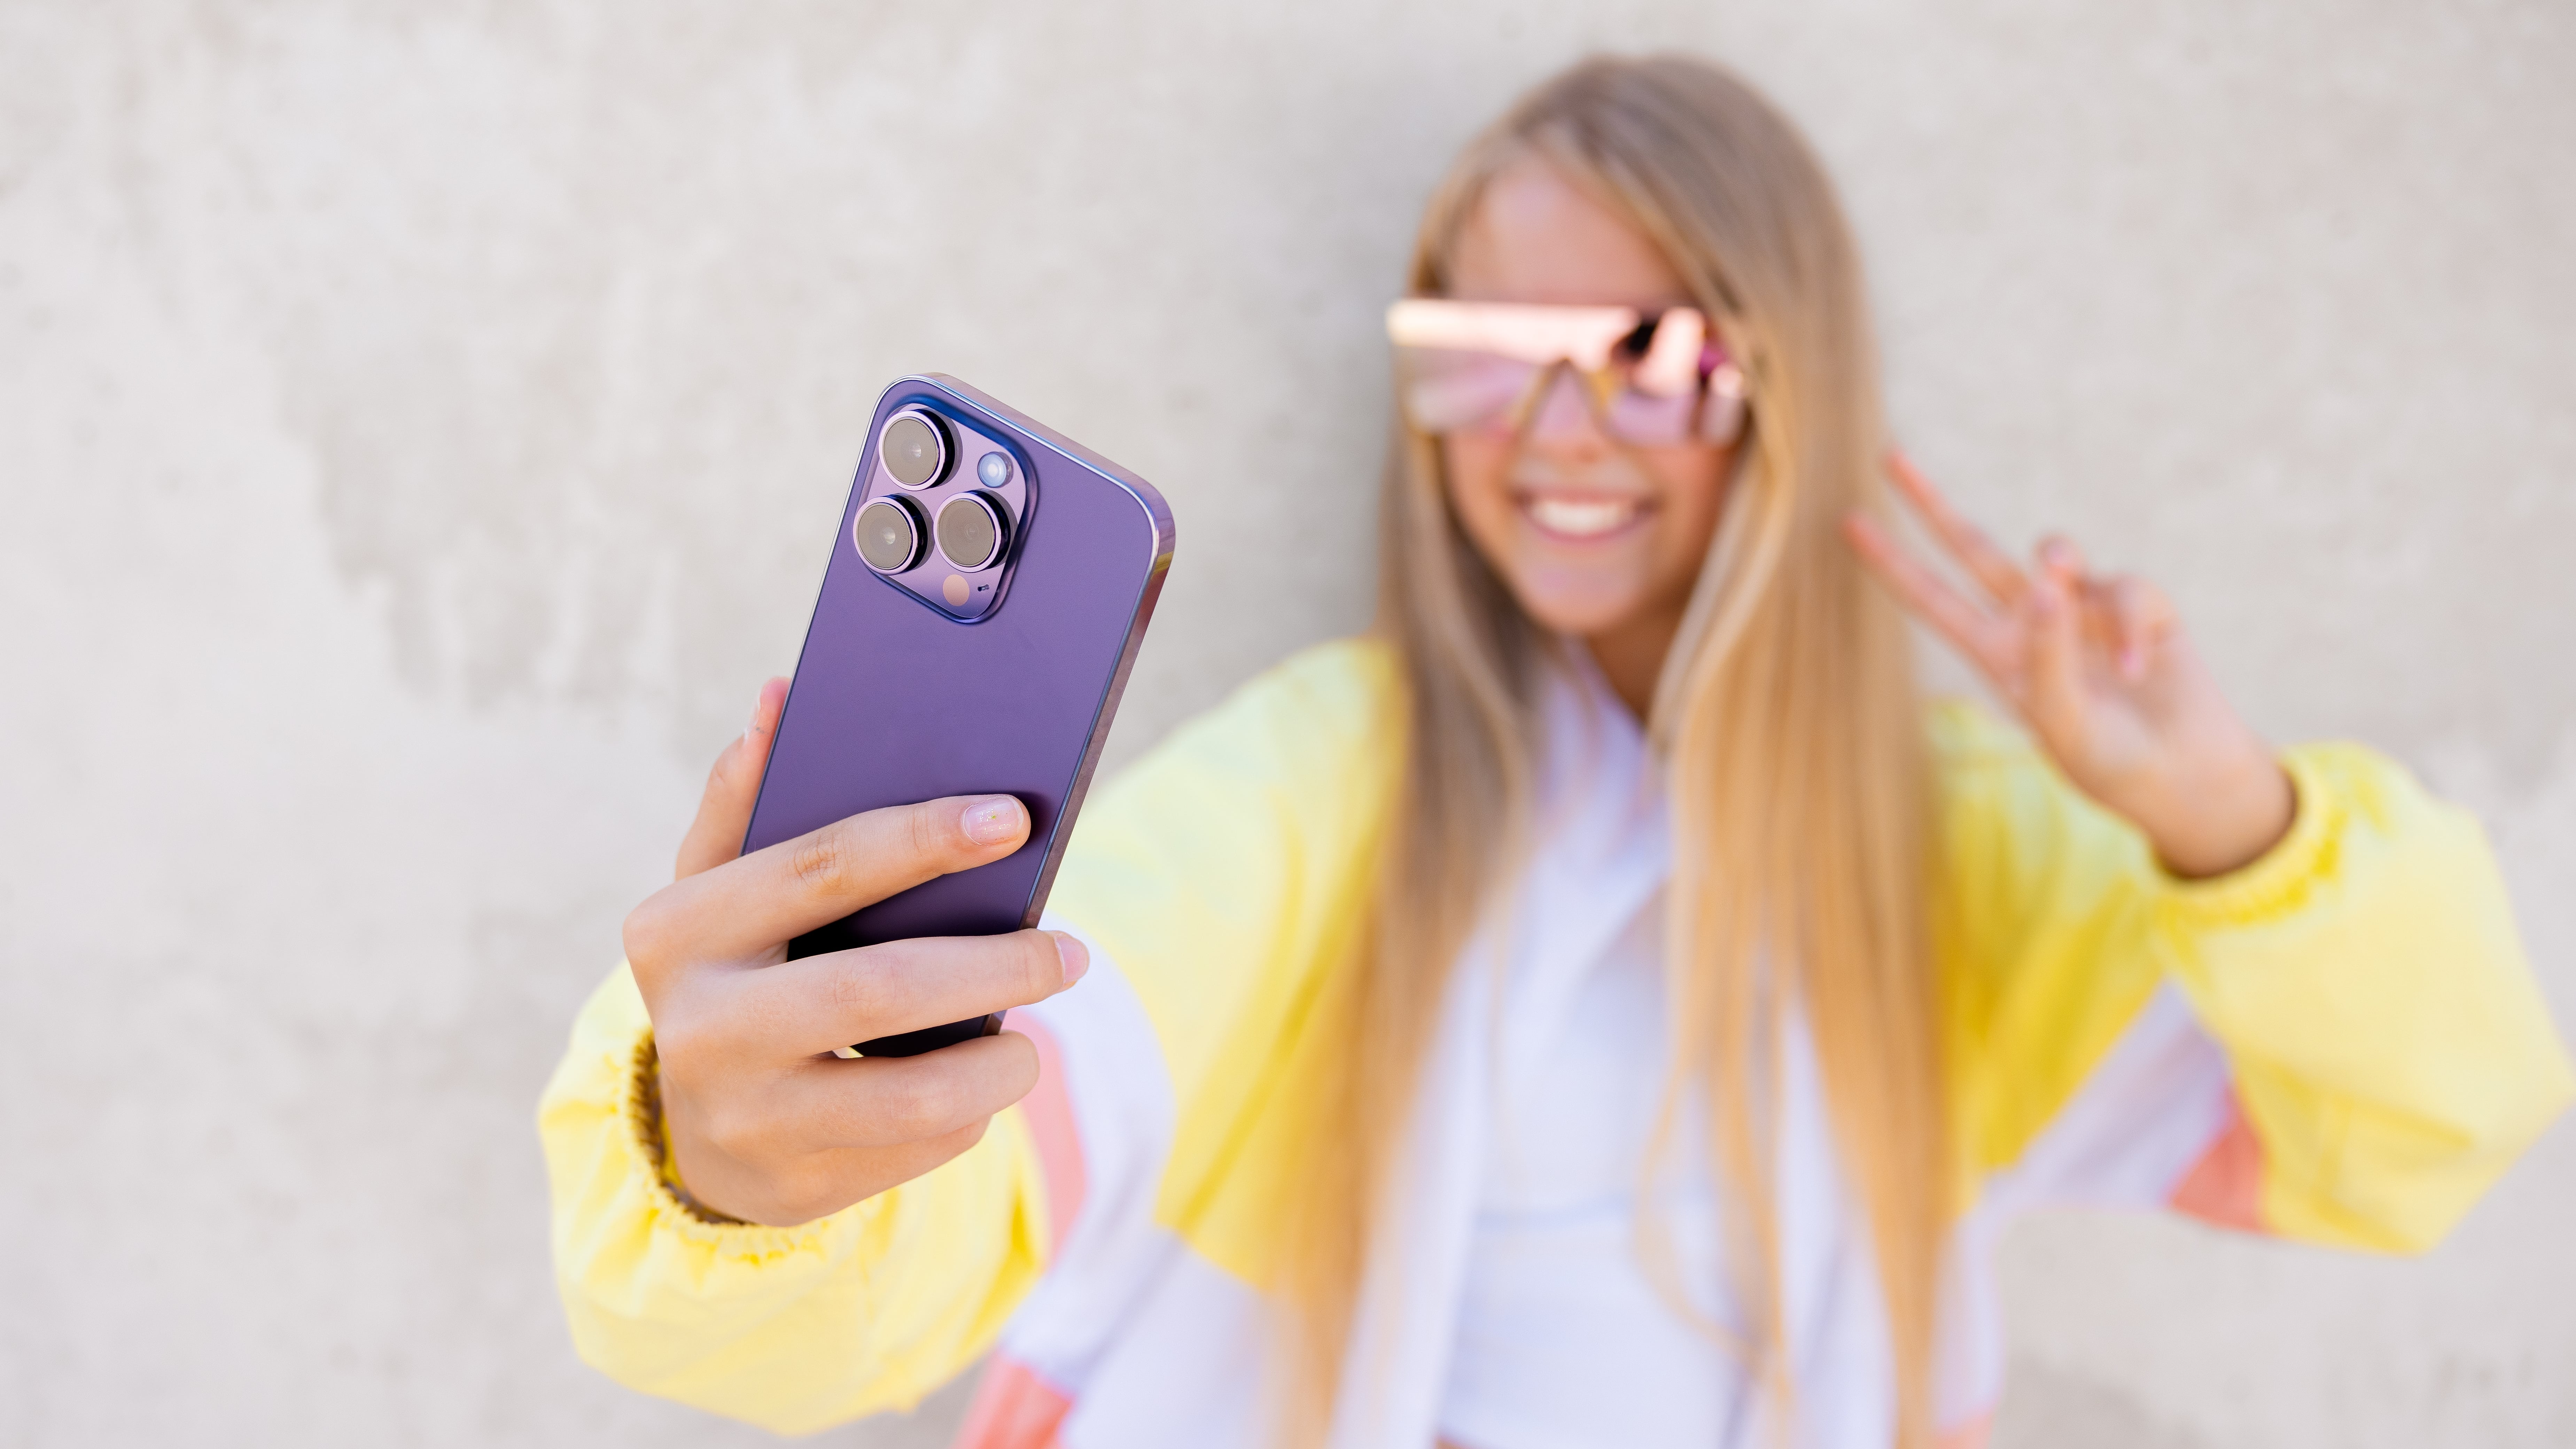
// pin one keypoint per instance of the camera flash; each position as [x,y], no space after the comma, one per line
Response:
[993,470]
[954,591]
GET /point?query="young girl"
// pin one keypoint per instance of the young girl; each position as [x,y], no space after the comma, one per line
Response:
[1599,1007]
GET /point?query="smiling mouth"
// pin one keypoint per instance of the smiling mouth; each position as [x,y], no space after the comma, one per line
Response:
[1581,519]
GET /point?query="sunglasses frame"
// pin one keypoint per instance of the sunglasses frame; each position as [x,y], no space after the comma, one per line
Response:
[1682,353]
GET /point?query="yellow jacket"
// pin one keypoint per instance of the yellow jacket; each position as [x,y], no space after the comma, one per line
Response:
[2386,1049]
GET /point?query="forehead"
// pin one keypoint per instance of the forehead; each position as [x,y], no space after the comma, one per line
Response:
[1535,236]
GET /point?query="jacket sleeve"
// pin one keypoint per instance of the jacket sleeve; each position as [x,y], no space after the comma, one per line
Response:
[1225,875]
[2385,1041]
[792,1329]
[1210,874]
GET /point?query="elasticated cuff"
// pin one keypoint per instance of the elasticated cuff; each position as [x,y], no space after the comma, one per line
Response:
[668,1199]
[2278,881]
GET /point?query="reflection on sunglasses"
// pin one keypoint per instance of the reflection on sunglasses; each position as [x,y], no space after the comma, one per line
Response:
[1481,366]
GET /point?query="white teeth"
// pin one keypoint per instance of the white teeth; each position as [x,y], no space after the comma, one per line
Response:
[1581,518]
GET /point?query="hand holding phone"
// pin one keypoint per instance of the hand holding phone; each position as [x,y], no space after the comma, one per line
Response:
[765,1124]
[827,977]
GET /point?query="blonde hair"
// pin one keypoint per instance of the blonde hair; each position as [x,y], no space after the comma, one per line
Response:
[1786,710]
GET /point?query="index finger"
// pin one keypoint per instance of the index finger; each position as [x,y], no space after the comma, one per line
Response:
[1991,567]
[749,906]
[1984,639]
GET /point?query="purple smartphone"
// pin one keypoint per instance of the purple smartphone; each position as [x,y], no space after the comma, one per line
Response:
[989,584]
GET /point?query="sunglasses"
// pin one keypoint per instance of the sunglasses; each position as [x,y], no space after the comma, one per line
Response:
[1485,367]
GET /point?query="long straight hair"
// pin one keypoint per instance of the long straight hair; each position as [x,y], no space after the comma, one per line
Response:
[1786,713]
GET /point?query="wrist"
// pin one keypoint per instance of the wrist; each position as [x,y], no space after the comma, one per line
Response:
[2224,815]
[660,1145]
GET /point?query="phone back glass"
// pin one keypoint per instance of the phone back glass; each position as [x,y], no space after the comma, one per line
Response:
[895,701]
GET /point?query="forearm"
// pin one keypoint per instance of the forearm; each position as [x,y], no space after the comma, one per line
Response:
[2390,1045]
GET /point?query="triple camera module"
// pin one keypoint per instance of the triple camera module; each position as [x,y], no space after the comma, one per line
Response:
[940,531]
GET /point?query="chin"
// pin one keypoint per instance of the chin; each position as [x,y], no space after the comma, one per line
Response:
[1578,613]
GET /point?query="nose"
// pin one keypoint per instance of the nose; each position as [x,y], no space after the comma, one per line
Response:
[1564,415]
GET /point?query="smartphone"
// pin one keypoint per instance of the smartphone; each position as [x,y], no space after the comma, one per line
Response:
[988,588]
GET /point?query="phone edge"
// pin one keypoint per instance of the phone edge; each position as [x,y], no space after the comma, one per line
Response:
[1158,514]
[1166,535]
[1104,714]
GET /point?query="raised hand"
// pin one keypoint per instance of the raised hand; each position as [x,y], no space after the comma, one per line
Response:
[766,1124]
[2101,671]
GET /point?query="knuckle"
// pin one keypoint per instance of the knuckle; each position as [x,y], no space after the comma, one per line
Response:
[919,1104]
[646,932]
[1041,969]
[821,861]
[933,831]
[861,992]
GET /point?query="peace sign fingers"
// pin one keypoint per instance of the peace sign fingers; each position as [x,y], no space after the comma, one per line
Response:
[1992,642]
[1993,634]
[1990,566]
[2029,636]
[2098,668]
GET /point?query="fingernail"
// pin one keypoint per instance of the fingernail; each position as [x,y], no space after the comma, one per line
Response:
[2133,662]
[990,822]
[1070,952]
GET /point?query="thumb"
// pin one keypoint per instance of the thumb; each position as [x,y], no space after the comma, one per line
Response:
[724,811]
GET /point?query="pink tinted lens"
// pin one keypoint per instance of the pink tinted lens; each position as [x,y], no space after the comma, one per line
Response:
[1449,392]
[1664,400]
[1642,417]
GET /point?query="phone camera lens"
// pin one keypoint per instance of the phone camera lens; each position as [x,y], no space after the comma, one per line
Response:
[914,448]
[993,470]
[970,532]
[888,534]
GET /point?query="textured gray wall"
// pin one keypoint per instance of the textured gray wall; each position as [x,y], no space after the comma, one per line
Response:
[420,428]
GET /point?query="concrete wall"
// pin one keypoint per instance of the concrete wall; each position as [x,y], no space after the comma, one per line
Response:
[420,427]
